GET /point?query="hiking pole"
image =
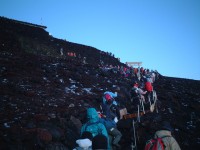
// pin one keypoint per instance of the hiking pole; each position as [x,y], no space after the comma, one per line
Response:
[149,98]
[155,101]
[155,104]
[101,108]
[134,147]
[138,113]
[143,107]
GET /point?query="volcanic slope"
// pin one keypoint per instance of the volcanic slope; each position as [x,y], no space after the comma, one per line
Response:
[41,90]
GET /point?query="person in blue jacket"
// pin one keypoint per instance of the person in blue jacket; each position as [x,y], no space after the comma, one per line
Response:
[94,125]
[109,105]
[115,134]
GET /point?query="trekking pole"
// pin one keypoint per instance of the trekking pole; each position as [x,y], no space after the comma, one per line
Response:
[149,97]
[155,100]
[101,109]
[134,146]
[155,103]
[156,108]
[138,113]
[143,107]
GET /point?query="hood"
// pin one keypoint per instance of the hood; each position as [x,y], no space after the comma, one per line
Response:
[92,115]
[162,133]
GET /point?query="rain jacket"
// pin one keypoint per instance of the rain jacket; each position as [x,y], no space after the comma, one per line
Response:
[93,125]
[169,141]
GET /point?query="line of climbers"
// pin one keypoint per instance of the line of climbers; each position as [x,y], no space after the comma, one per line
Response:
[102,124]
[139,73]
[103,55]
[71,54]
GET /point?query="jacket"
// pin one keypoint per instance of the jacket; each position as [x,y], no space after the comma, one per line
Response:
[148,86]
[93,125]
[169,141]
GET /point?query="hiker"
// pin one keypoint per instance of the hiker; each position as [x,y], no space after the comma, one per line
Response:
[139,91]
[138,74]
[85,142]
[61,51]
[153,76]
[94,125]
[166,134]
[114,134]
[151,94]
[141,70]
[138,98]
[110,110]
[109,96]
[109,105]
[84,60]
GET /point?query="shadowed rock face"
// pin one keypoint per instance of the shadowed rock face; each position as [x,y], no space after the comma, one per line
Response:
[40,90]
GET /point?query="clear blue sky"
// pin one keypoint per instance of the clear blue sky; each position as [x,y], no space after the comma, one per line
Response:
[163,34]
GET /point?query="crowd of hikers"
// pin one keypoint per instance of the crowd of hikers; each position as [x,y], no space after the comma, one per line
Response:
[101,131]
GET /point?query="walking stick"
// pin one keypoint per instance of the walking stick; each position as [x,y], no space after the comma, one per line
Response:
[134,146]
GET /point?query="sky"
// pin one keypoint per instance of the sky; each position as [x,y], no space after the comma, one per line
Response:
[162,34]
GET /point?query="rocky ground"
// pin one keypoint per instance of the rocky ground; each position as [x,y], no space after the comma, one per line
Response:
[44,96]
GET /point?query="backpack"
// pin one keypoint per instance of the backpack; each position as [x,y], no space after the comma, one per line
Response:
[148,86]
[155,144]
[99,130]
[108,97]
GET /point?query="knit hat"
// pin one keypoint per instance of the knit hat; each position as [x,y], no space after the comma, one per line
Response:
[99,142]
[166,126]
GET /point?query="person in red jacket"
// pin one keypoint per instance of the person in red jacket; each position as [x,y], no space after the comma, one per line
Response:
[149,89]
